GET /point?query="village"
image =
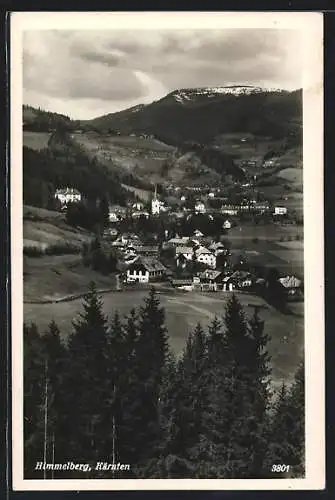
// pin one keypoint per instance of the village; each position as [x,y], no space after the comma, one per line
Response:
[186,245]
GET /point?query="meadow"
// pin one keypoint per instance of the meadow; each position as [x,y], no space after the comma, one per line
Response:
[36,140]
[183,312]
[271,246]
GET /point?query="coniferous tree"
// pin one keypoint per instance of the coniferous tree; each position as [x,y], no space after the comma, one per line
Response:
[246,390]
[55,355]
[287,438]
[150,354]
[34,368]
[104,211]
[186,453]
[87,379]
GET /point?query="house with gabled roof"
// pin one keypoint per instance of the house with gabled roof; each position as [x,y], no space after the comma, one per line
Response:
[145,269]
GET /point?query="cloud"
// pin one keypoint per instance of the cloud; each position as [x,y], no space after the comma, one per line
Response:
[84,73]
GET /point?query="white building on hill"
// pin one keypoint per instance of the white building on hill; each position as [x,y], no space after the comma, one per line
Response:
[68,195]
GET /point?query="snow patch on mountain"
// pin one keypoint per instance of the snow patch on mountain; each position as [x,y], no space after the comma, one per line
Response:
[184,95]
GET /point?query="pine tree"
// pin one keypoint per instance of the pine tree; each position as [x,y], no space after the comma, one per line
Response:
[287,438]
[55,356]
[87,379]
[33,383]
[246,391]
[187,450]
[259,387]
[278,450]
[104,211]
[151,348]
[297,412]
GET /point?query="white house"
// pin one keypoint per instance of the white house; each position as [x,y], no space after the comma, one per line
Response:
[228,284]
[145,269]
[229,210]
[226,224]
[204,256]
[280,211]
[211,195]
[200,207]
[138,206]
[68,195]
[113,217]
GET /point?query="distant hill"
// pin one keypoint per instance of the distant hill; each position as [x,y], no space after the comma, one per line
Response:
[201,114]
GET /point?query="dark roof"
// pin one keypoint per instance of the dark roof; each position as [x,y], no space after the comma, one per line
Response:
[149,263]
[145,248]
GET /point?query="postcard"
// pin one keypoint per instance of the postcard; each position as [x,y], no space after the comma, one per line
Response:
[167,272]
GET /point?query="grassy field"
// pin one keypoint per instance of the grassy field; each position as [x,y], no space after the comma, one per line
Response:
[53,277]
[269,251]
[143,157]
[42,228]
[183,312]
[36,140]
[291,175]
[270,232]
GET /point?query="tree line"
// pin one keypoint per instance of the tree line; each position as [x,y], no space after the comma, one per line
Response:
[115,392]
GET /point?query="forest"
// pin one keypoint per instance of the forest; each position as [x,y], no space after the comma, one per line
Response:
[113,391]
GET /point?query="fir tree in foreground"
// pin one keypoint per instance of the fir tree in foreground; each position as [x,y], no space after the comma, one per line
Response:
[287,442]
[87,380]
[116,392]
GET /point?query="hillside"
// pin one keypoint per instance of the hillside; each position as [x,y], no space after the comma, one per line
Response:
[64,163]
[191,136]
[202,114]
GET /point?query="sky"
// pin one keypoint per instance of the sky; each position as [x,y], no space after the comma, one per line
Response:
[88,73]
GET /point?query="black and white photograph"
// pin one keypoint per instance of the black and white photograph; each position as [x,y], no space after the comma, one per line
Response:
[167,250]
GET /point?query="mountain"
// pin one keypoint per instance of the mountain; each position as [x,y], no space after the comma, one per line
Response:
[201,114]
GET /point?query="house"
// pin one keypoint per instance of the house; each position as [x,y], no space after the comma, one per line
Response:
[211,195]
[145,269]
[243,279]
[199,207]
[226,224]
[218,248]
[113,217]
[229,209]
[183,255]
[280,211]
[140,213]
[205,256]
[138,206]
[176,242]
[68,195]
[146,250]
[211,276]
[293,286]
[261,207]
[228,284]
[198,234]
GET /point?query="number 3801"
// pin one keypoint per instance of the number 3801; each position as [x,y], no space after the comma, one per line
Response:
[280,468]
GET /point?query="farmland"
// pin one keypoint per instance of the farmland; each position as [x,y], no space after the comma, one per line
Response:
[270,246]
[143,157]
[183,312]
